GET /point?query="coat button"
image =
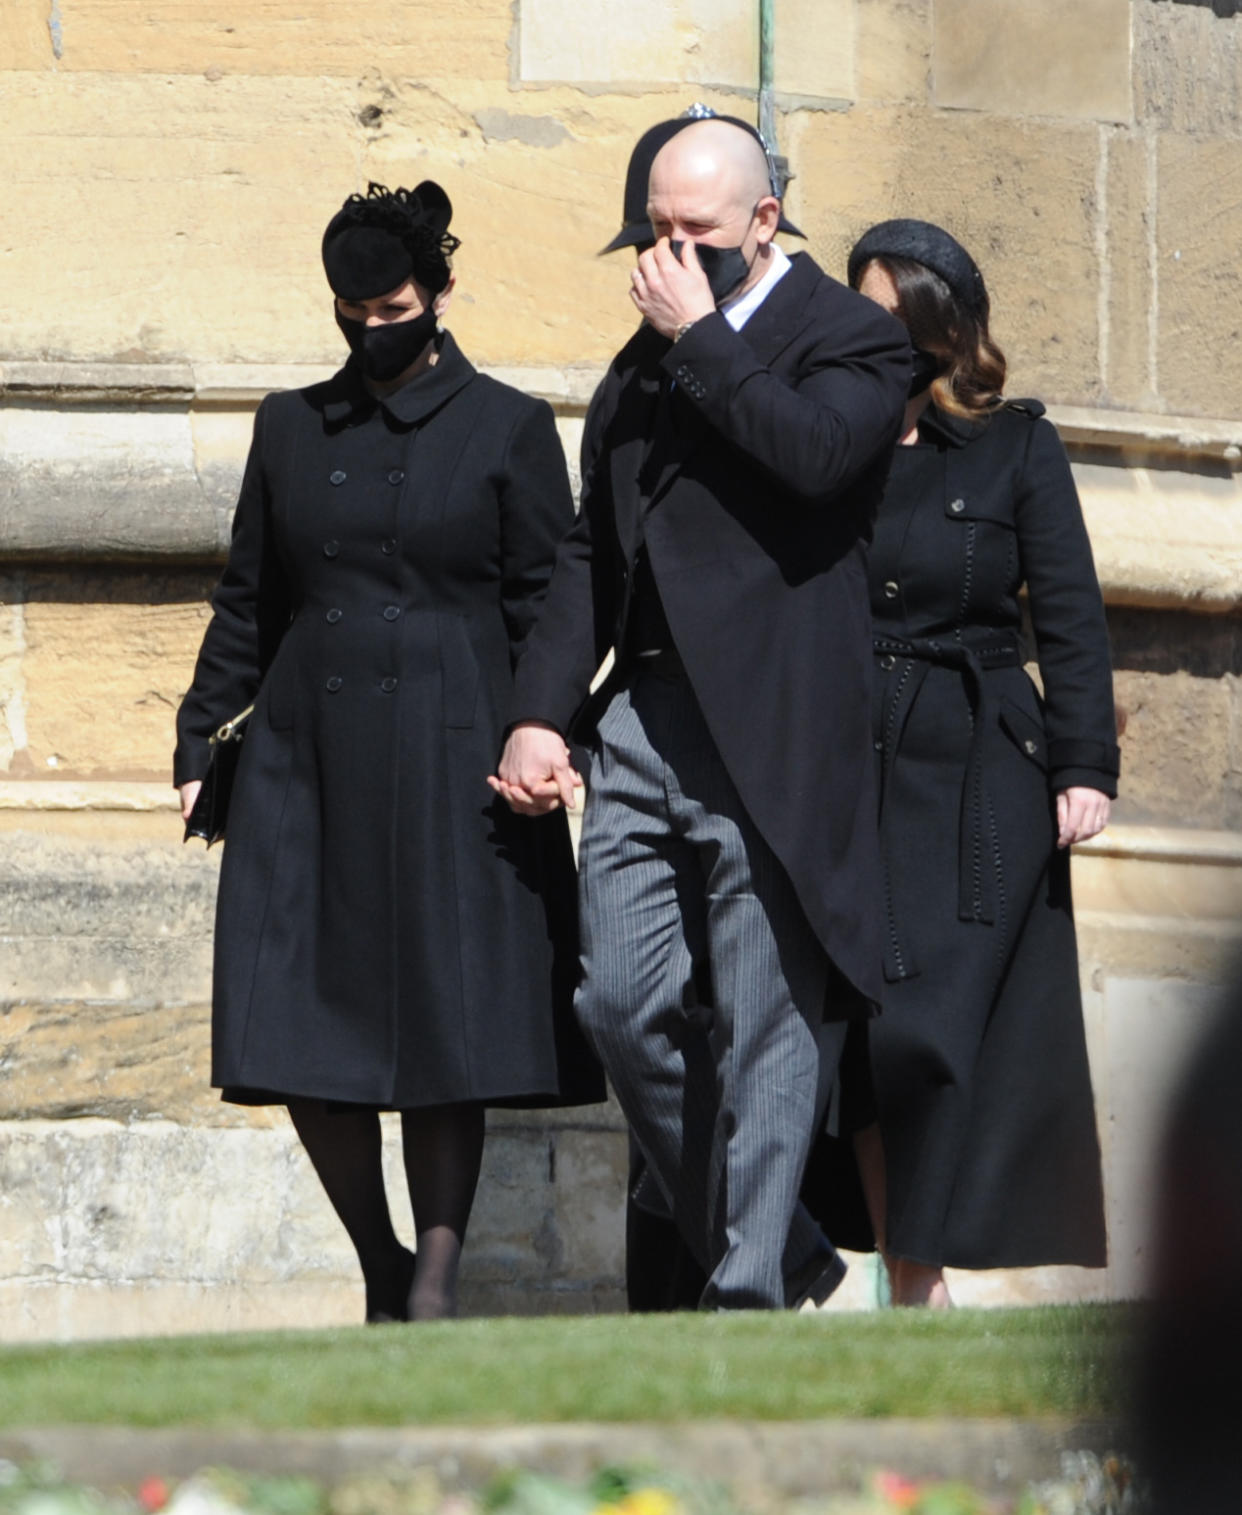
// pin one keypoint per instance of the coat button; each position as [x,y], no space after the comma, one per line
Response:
[396,477]
[888,661]
[391,612]
[389,545]
[1030,747]
[957,506]
[388,684]
[878,745]
[334,683]
[892,589]
[337,476]
[330,549]
[333,616]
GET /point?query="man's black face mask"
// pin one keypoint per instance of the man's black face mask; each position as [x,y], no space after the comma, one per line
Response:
[386,351]
[725,267]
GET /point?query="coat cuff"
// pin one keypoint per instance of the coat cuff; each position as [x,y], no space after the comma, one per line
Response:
[1083,778]
[190,762]
[1074,752]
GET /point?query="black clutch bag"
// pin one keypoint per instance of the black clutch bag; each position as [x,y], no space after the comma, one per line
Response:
[211,808]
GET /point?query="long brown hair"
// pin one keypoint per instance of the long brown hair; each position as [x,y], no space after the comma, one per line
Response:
[974,377]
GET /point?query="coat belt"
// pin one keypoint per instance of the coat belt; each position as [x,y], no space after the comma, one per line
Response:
[973,654]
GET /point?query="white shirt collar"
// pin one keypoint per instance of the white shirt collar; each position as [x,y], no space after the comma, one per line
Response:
[738,312]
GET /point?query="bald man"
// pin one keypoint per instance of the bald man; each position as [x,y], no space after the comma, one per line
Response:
[733,460]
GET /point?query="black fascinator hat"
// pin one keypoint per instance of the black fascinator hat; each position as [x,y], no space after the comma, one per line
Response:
[377,241]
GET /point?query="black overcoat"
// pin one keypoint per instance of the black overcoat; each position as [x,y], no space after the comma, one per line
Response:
[388,933]
[755,529]
[979,1058]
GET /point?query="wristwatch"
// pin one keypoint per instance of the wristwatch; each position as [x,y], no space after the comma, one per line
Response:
[684,328]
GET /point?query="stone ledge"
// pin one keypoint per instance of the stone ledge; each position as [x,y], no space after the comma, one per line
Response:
[760,1460]
[65,382]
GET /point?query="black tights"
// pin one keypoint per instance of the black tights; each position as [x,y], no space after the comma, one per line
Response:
[443,1147]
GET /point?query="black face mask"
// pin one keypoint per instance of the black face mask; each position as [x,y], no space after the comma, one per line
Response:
[725,267]
[927,366]
[388,350]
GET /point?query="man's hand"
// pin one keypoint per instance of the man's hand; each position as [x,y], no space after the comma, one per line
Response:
[1081,813]
[669,293]
[535,774]
[189,793]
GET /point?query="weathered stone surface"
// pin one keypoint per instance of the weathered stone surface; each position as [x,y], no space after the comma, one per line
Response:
[1032,232]
[1187,69]
[894,50]
[1165,537]
[1126,273]
[284,38]
[1200,286]
[1064,58]
[113,483]
[105,660]
[1177,749]
[235,179]
[113,922]
[25,36]
[156,1226]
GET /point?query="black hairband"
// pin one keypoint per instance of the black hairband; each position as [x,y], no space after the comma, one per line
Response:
[933,247]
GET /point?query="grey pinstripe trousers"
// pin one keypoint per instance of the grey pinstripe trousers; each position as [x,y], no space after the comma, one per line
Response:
[722,1097]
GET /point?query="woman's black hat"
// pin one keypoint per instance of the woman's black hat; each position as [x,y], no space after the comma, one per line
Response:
[635,227]
[933,247]
[377,241]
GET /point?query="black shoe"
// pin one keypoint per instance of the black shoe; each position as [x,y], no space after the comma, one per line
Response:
[815,1279]
[394,1307]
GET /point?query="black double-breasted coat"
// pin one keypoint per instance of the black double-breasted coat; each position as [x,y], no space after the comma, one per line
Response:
[388,933]
[754,523]
[979,1058]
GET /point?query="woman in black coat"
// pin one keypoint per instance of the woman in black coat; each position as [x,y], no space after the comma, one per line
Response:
[979,1064]
[388,934]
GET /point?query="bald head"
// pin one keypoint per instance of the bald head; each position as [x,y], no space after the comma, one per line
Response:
[712,158]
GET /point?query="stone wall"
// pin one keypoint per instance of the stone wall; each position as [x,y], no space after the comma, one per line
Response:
[168,169]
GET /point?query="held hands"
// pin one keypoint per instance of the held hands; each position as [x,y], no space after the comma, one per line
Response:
[189,793]
[535,774]
[668,293]
[1081,813]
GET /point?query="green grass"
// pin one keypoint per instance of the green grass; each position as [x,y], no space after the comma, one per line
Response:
[1051,1361]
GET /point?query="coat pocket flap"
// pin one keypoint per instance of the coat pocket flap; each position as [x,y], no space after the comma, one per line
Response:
[968,506]
[1026,733]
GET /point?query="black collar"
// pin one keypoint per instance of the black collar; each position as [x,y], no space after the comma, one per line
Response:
[955,430]
[350,400]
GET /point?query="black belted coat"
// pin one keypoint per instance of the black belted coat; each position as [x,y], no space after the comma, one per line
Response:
[979,1058]
[388,933]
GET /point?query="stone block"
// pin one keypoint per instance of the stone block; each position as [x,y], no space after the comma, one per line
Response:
[1200,283]
[1187,70]
[117,482]
[105,662]
[25,35]
[287,39]
[894,50]
[1176,758]
[235,179]
[118,1230]
[594,42]
[113,922]
[1031,228]
[1067,59]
